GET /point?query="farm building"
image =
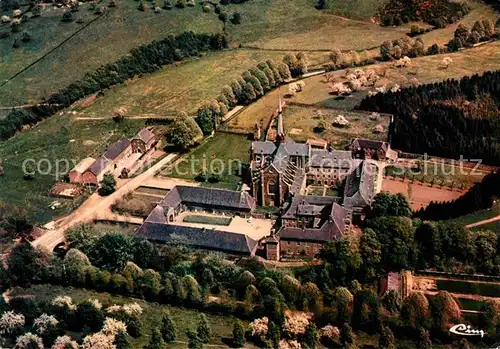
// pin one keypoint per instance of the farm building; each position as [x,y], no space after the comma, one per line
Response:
[143,141]
[109,161]
[76,174]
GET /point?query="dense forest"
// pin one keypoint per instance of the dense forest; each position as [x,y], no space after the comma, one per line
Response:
[438,13]
[445,119]
[141,60]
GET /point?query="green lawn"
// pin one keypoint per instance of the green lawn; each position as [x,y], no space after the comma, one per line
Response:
[479,216]
[58,138]
[295,25]
[226,152]
[212,220]
[151,317]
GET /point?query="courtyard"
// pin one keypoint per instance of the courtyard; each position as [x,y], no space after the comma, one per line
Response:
[251,227]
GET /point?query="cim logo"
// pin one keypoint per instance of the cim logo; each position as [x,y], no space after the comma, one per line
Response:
[466,330]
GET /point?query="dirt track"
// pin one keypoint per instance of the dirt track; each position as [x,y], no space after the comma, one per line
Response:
[96,205]
[421,194]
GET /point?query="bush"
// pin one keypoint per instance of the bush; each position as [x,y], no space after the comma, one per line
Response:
[67,17]
[236,18]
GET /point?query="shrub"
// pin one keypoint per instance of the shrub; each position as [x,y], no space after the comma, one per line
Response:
[67,17]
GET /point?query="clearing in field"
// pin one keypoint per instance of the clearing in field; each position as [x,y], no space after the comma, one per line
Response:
[420,195]
[225,154]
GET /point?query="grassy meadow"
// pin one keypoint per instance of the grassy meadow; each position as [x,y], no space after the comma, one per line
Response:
[110,37]
[56,138]
[225,152]
[177,87]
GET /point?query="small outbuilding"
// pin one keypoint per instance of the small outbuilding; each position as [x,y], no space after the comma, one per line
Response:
[143,141]
[76,174]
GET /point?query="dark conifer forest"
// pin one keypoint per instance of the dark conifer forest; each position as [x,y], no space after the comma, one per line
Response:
[446,119]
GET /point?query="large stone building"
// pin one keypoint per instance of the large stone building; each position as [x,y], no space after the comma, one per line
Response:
[160,225]
[282,169]
[306,224]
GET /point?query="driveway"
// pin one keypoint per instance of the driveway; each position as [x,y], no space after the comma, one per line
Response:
[95,205]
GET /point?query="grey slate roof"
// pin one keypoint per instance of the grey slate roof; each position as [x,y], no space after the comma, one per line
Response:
[360,186]
[117,148]
[369,144]
[99,165]
[157,215]
[217,198]
[295,206]
[265,148]
[332,228]
[208,239]
[327,159]
[145,135]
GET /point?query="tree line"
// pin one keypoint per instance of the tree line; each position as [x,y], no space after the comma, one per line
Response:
[430,118]
[341,293]
[141,60]
[436,13]
[250,86]
[480,197]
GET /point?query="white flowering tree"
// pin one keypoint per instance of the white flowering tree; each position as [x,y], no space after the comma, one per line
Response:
[446,62]
[340,121]
[289,344]
[44,322]
[63,302]
[11,322]
[329,332]
[259,327]
[65,342]
[95,303]
[29,341]
[354,85]
[295,323]
[98,341]
[112,327]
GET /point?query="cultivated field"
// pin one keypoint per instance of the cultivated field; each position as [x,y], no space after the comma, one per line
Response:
[419,195]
